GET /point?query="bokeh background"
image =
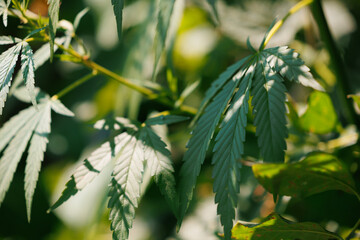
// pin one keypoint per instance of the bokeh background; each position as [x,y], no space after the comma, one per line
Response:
[200,46]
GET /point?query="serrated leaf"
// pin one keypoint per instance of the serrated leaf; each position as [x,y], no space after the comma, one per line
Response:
[28,69]
[53,11]
[320,116]
[165,8]
[199,143]
[4,40]
[219,83]
[13,153]
[275,227]
[125,187]
[161,166]
[4,6]
[287,62]
[316,173]
[118,6]
[59,108]
[91,167]
[165,119]
[7,64]
[268,93]
[227,151]
[35,156]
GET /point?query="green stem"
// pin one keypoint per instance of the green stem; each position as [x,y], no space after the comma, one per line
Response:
[357,224]
[74,85]
[278,24]
[342,87]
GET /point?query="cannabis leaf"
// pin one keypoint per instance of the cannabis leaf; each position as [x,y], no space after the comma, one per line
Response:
[118,6]
[28,69]
[29,126]
[54,7]
[4,6]
[7,64]
[129,151]
[165,8]
[260,75]
[275,227]
[4,40]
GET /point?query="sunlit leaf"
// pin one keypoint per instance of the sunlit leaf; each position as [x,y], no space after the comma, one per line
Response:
[316,173]
[53,10]
[320,116]
[4,40]
[28,69]
[275,227]
[356,99]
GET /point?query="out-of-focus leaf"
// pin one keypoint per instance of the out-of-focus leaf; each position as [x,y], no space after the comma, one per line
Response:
[54,7]
[165,119]
[356,99]
[275,227]
[79,16]
[213,7]
[320,117]
[317,173]
[118,6]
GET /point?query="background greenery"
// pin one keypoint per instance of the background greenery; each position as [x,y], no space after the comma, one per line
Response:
[201,47]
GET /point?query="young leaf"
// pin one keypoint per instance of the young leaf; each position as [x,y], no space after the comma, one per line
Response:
[320,116]
[35,156]
[286,62]
[275,227]
[4,10]
[118,6]
[7,64]
[125,187]
[165,119]
[317,173]
[160,164]
[268,93]
[28,69]
[163,22]
[53,10]
[198,144]
[228,150]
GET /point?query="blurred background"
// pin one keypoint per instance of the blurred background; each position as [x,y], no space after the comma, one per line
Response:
[200,46]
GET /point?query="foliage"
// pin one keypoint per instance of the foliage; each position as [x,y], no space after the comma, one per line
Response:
[247,103]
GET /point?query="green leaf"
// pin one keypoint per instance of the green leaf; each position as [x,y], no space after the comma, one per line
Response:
[125,187]
[316,173]
[165,119]
[356,98]
[4,6]
[118,6]
[53,10]
[269,109]
[320,116]
[79,16]
[59,108]
[4,40]
[91,167]
[160,165]
[36,152]
[212,3]
[199,143]
[187,91]
[28,69]
[275,227]
[7,64]
[287,63]
[228,150]
[165,8]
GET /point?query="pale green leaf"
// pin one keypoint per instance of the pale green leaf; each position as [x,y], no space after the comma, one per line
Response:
[212,3]
[53,10]
[4,6]
[125,187]
[160,165]
[79,16]
[320,116]
[118,6]
[199,143]
[13,153]
[165,8]
[7,64]
[165,119]
[275,227]
[59,108]
[4,40]
[187,91]
[228,149]
[316,173]
[36,152]
[268,93]
[286,61]
[91,167]
[28,69]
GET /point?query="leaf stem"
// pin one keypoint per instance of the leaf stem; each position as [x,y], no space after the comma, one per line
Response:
[357,224]
[278,24]
[74,85]
[342,88]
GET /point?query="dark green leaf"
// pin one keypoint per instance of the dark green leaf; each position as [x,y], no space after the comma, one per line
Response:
[118,6]
[165,119]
